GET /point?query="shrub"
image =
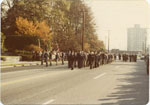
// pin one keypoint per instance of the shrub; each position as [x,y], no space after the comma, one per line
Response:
[33,48]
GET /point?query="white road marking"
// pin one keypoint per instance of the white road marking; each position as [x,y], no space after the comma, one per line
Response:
[6,67]
[48,102]
[19,71]
[99,76]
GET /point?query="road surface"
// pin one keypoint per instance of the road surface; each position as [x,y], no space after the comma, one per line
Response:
[119,83]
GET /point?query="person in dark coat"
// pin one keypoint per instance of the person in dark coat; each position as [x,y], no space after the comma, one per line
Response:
[50,58]
[96,59]
[42,57]
[75,59]
[103,58]
[79,60]
[130,57]
[119,56]
[115,56]
[62,57]
[147,63]
[56,58]
[46,58]
[98,56]
[87,61]
[91,60]
[72,58]
[68,58]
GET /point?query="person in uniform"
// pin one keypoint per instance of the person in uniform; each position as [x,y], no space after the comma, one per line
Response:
[126,58]
[123,57]
[46,58]
[42,57]
[95,60]
[119,56]
[79,59]
[102,56]
[90,60]
[68,58]
[115,56]
[130,57]
[62,57]
[72,58]
[105,58]
[56,58]
[87,59]
[75,59]
[98,56]
[50,58]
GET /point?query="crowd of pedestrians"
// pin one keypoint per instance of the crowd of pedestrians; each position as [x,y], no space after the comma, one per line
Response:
[130,58]
[92,59]
[75,59]
[83,59]
[48,57]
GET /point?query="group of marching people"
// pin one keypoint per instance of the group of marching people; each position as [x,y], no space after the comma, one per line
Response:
[48,56]
[75,59]
[81,59]
[126,57]
[92,59]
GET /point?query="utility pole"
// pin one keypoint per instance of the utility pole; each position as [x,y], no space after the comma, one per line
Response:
[108,40]
[83,24]
[145,42]
[83,29]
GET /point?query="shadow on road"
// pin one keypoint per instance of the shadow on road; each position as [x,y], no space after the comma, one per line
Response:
[135,93]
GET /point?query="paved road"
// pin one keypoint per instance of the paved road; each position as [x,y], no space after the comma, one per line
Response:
[119,83]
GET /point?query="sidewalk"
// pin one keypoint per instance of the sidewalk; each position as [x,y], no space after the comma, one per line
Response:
[7,64]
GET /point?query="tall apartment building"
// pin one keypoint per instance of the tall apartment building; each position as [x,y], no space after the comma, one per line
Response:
[136,40]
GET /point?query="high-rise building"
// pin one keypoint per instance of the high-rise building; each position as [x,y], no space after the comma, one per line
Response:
[136,38]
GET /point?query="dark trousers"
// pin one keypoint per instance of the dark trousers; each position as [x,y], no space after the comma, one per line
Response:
[72,65]
[62,61]
[50,62]
[46,62]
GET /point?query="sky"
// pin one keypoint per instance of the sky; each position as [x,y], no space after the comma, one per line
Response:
[117,16]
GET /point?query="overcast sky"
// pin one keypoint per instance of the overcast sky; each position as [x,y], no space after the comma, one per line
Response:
[117,16]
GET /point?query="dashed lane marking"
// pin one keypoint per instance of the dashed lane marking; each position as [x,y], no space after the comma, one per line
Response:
[49,102]
[99,76]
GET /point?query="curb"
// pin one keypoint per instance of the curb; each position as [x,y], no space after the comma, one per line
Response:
[21,65]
